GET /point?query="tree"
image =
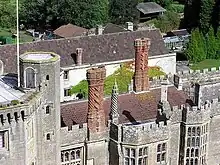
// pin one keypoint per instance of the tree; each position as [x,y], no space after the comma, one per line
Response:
[167,22]
[38,13]
[121,11]
[90,13]
[196,47]
[8,13]
[191,14]
[205,15]
[211,45]
[164,3]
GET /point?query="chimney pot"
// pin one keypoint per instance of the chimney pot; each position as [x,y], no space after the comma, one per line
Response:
[79,56]
[99,30]
[130,26]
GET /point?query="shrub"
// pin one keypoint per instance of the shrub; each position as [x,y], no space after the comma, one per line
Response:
[15,102]
[123,77]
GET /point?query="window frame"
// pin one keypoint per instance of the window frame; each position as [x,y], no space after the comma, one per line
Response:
[161,151]
[66,74]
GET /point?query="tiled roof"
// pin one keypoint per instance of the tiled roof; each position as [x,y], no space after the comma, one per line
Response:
[113,28]
[132,107]
[100,48]
[70,30]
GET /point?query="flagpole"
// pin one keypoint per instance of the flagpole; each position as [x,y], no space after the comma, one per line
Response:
[18,62]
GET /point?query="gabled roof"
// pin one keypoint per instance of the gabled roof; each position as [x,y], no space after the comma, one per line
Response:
[113,28]
[132,107]
[96,49]
[70,30]
[149,8]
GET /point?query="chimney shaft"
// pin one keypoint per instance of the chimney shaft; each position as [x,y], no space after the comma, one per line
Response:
[79,56]
[99,30]
[96,115]
[130,26]
[141,65]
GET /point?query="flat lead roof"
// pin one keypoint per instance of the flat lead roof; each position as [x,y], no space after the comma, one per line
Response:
[37,56]
[7,90]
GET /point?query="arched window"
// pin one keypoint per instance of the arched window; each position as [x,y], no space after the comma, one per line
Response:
[197,142]
[47,109]
[30,78]
[188,142]
[189,131]
[192,152]
[187,161]
[73,155]
[62,157]
[196,161]
[47,77]
[78,154]
[191,161]
[159,148]
[197,153]
[67,156]
[48,136]
[193,131]
[193,142]
[187,152]
[198,131]
[164,147]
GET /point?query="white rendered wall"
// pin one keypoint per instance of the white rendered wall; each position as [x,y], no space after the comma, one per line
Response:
[166,62]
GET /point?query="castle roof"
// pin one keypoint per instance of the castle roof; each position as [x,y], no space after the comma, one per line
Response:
[96,49]
[132,107]
[8,91]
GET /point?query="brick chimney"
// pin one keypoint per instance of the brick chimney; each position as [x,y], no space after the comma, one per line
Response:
[141,80]
[79,56]
[96,115]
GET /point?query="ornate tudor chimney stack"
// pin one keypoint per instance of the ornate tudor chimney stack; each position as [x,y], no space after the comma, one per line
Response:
[96,116]
[141,80]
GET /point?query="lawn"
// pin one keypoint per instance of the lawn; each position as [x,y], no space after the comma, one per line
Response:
[208,63]
[8,33]
[123,77]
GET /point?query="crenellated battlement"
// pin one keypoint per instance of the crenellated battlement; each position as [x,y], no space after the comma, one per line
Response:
[213,70]
[157,80]
[74,134]
[21,110]
[145,132]
[74,128]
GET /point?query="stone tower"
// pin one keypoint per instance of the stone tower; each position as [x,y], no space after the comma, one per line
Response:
[41,72]
[141,65]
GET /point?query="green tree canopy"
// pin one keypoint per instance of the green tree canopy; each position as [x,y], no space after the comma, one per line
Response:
[39,13]
[206,10]
[212,44]
[8,13]
[121,11]
[196,47]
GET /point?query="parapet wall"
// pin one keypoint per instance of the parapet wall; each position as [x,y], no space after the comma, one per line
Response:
[75,134]
[203,113]
[145,133]
[21,111]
